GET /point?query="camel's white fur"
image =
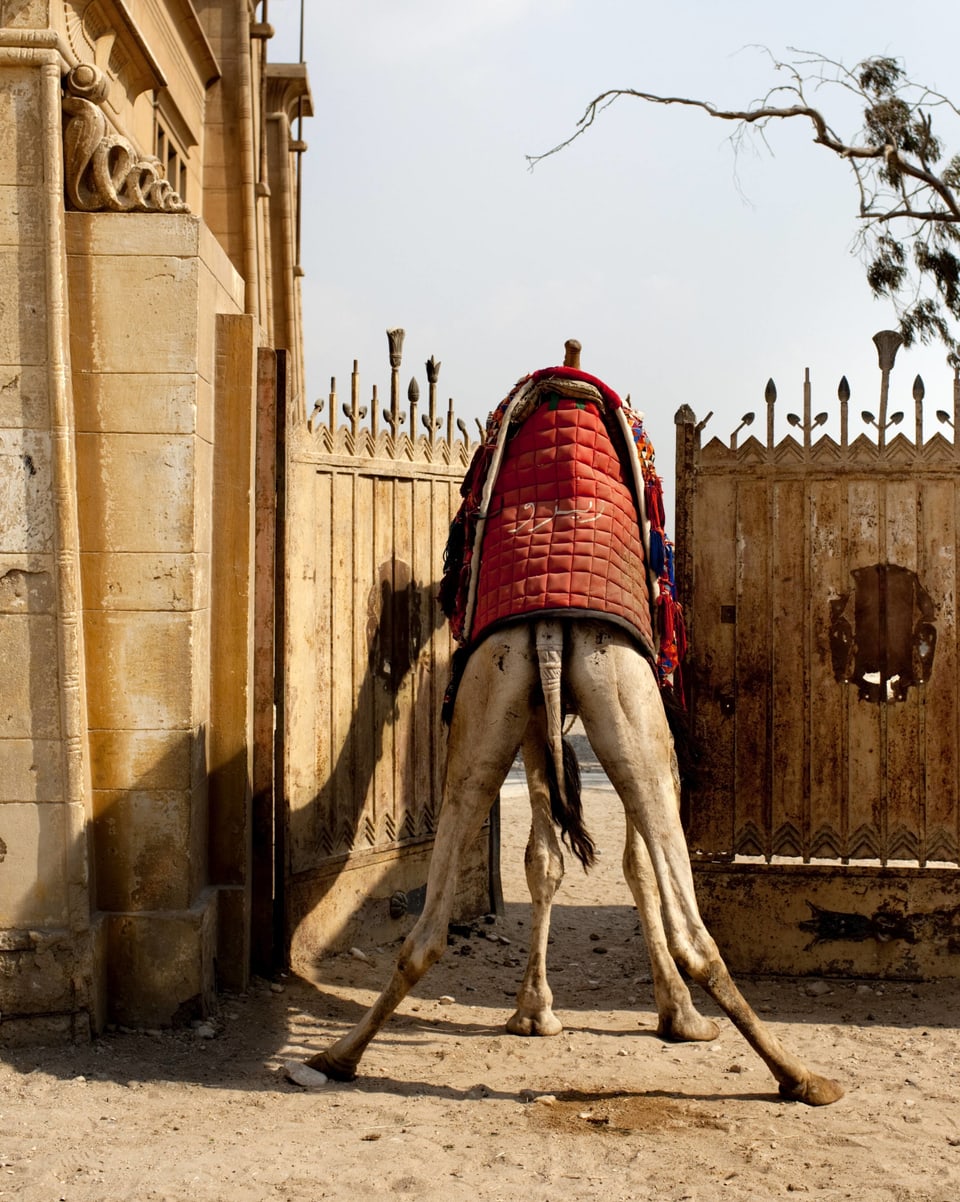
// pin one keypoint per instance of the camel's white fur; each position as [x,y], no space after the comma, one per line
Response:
[499,706]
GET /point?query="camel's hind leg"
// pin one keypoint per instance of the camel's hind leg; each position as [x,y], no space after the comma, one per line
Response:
[677,1016]
[491,712]
[543,862]
[625,723]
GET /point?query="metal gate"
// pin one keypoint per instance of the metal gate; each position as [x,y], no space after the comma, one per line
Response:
[367,507]
[821,576]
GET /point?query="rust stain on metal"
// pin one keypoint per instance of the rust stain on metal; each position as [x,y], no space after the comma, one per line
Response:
[941,927]
[890,644]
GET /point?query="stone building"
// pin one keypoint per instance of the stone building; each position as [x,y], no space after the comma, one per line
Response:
[149,287]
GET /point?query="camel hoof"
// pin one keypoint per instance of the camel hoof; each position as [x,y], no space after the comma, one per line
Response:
[814,1090]
[337,1070]
[544,1023]
[687,1027]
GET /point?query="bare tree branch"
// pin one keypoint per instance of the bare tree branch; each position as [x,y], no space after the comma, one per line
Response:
[895,161]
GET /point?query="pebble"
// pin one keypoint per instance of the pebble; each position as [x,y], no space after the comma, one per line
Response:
[206,1031]
[275,988]
[446,999]
[816,988]
[359,954]
[301,1074]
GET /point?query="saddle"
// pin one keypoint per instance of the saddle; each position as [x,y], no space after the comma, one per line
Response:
[562,514]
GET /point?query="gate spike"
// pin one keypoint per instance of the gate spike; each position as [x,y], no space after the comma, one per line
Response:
[413,397]
[843,395]
[433,375]
[770,396]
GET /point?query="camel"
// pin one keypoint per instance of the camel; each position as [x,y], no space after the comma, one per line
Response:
[513,686]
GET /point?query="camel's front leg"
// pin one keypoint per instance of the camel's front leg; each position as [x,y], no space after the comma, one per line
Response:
[543,862]
[677,1016]
[489,718]
[626,725]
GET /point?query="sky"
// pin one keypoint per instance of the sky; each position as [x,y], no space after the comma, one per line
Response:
[691,272]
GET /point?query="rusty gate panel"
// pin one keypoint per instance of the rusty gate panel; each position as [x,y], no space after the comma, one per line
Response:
[366,664]
[827,785]
[820,578]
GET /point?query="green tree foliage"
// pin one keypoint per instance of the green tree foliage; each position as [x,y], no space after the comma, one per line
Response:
[908,189]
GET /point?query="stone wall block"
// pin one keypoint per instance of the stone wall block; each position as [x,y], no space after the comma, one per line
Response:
[29,707]
[26,511]
[230,286]
[140,667]
[137,236]
[31,770]
[23,398]
[23,298]
[33,876]
[134,312]
[145,581]
[203,497]
[145,402]
[160,966]
[44,972]
[145,759]
[141,837]
[136,492]
[27,584]
[20,215]
[26,14]
[199,845]
[205,410]
[200,700]
[21,140]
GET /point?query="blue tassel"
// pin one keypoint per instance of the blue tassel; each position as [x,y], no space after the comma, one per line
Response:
[657,552]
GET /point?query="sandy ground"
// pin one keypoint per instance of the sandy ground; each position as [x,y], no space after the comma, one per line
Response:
[450,1107]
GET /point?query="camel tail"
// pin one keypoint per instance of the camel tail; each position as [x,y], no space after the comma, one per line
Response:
[563,771]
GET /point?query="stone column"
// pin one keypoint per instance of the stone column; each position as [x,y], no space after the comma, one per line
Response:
[145,293]
[47,962]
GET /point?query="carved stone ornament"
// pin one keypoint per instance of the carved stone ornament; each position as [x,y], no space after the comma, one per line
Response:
[104,172]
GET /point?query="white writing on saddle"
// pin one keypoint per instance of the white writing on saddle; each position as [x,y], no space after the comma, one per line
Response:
[545,513]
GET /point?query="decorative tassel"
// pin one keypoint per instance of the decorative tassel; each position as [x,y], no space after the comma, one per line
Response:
[658,553]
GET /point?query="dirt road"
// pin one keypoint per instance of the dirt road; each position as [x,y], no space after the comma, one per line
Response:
[443,1109]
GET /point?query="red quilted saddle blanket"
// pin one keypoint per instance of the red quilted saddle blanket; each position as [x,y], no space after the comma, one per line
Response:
[562,512]
[562,530]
